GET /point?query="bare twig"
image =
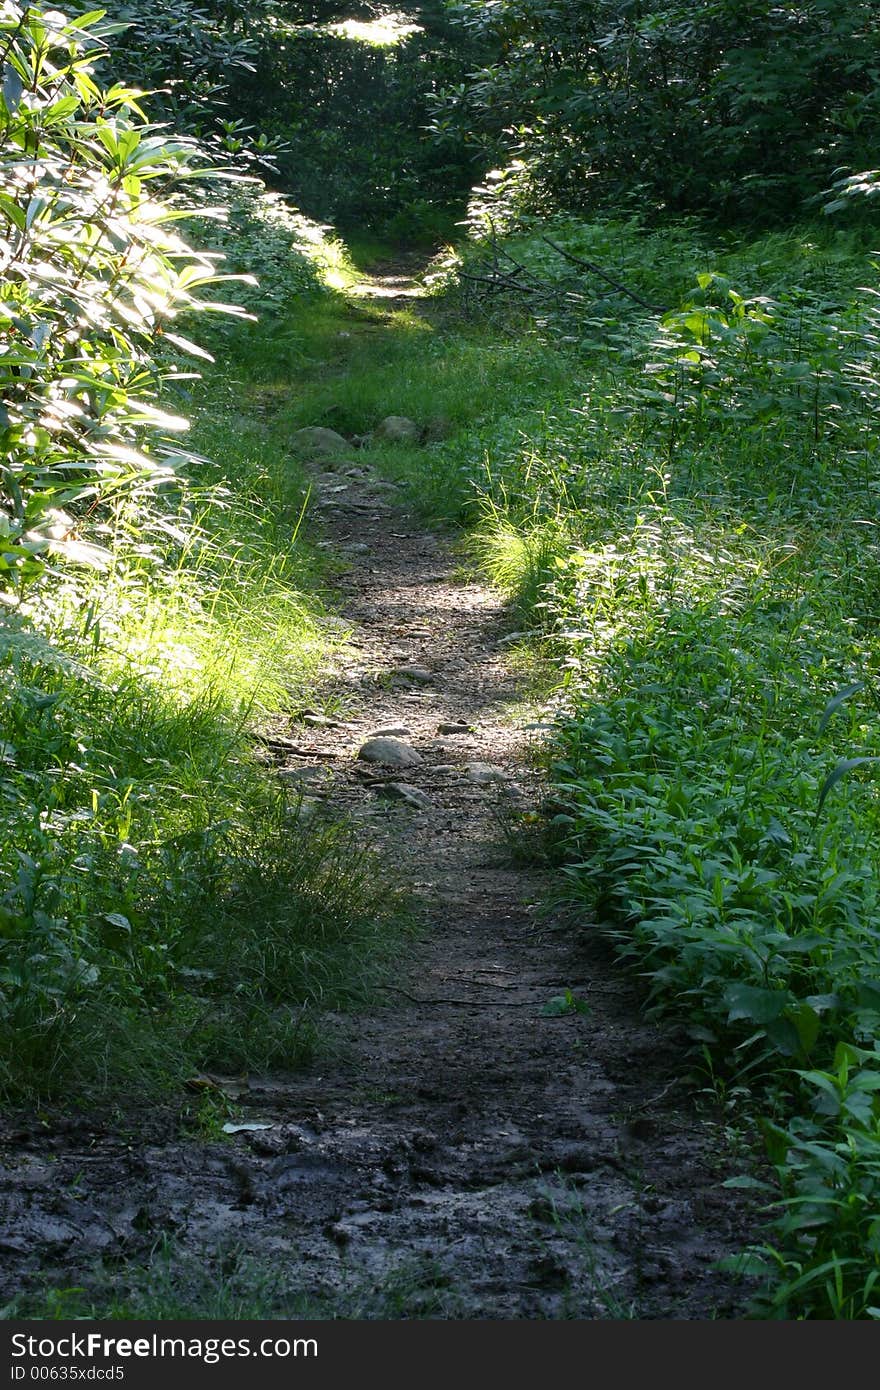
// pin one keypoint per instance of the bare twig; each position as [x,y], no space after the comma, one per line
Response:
[287,745]
[603,275]
[661,1095]
[461,1003]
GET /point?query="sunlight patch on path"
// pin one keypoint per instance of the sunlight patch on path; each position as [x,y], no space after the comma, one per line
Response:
[388,287]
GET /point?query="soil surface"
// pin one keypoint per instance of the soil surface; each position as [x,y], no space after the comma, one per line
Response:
[473,1150]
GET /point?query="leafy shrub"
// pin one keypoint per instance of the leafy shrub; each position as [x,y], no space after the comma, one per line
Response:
[94,274]
[827,1262]
[352,117]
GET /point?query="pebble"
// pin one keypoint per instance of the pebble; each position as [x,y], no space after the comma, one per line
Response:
[388,751]
[390,731]
[459,727]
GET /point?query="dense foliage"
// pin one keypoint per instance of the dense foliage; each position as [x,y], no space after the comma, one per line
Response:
[695,537]
[738,108]
[94,274]
[329,101]
[155,608]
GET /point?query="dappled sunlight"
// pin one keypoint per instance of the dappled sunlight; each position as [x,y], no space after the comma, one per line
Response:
[316,242]
[388,287]
[383,32]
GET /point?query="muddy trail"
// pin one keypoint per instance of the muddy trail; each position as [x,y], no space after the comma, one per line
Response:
[482,1144]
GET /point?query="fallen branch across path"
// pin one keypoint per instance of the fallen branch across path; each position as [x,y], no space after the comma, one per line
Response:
[287,745]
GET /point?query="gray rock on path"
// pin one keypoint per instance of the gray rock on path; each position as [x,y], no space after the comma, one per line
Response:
[322,443]
[485,772]
[397,429]
[305,776]
[390,752]
[419,675]
[390,731]
[403,791]
[458,727]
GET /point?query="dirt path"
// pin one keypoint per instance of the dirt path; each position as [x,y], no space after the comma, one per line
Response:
[466,1155]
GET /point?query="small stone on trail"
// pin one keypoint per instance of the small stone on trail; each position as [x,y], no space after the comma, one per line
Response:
[390,731]
[319,721]
[397,429]
[314,439]
[402,791]
[457,728]
[419,674]
[358,548]
[390,752]
[485,772]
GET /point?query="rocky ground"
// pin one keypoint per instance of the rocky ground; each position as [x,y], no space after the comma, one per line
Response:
[506,1136]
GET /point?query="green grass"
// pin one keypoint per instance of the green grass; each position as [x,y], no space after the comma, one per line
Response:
[230,1284]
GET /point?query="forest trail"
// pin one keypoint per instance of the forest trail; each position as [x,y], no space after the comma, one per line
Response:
[466,1151]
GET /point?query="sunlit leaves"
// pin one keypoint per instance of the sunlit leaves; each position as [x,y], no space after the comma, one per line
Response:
[93,273]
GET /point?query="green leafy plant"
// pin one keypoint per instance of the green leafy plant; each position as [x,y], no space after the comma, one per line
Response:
[562,1004]
[94,274]
[826,1259]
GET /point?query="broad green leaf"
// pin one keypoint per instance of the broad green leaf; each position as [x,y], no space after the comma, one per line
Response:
[807,1024]
[755,1004]
[13,88]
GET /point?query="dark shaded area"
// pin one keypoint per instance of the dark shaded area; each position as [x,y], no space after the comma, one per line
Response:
[336,121]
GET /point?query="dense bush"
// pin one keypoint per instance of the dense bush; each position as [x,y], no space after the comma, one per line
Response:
[353,116]
[332,114]
[736,108]
[94,274]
